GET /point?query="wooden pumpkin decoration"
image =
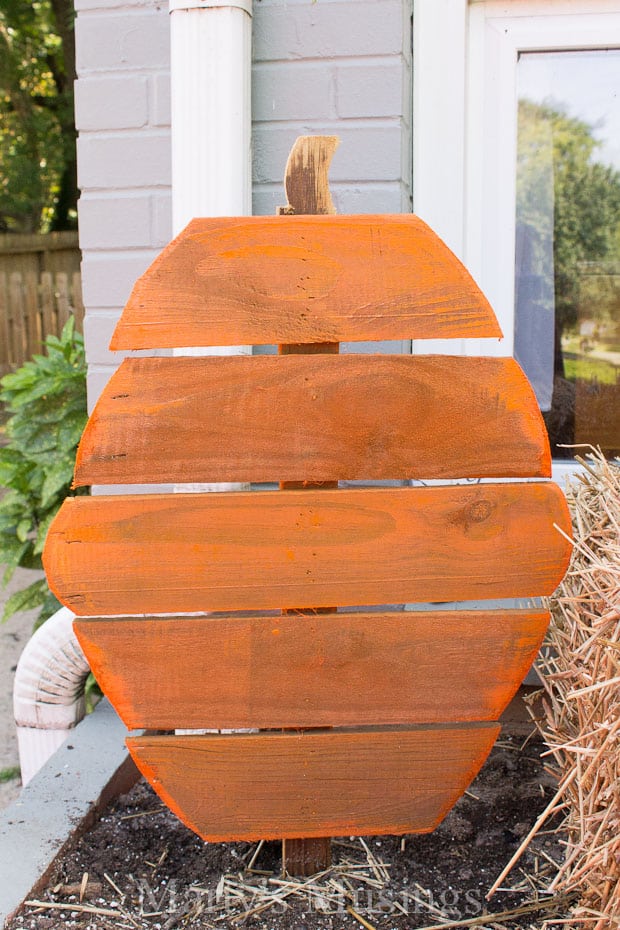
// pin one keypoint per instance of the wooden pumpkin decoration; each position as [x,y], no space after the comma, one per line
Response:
[266,609]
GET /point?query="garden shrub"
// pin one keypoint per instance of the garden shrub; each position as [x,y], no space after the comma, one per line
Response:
[46,403]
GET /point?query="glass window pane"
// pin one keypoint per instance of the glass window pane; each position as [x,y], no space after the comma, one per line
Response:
[567,315]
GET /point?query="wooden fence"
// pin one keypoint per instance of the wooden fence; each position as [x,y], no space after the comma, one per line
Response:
[33,306]
[40,252]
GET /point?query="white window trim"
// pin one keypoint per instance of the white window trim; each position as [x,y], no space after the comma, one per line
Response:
[465,129]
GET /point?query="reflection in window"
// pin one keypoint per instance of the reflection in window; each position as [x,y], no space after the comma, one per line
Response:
[567,319]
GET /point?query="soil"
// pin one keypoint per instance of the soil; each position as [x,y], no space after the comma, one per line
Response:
[147,870]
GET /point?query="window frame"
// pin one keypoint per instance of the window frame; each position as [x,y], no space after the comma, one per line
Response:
[465,130]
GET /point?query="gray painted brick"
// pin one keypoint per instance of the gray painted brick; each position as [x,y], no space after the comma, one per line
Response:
[130,159]
[118,42]
[327,30]
[107,278]
[369,198]
[111,102]
[87,5]
[266,200]
[113,222]
[361,198]
[290,90]
[366,152]
[161,229]
[364,89]
[160,99]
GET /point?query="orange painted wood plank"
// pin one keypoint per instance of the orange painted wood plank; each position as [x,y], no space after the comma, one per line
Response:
[195,552]
[313,418]
[317,670]
[292,279]
[331,782]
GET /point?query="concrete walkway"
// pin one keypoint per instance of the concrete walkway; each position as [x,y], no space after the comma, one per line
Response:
[14,634]
[13,637]
[63,799]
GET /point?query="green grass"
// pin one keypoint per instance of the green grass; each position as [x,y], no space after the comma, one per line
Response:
[11,773]
[588,369]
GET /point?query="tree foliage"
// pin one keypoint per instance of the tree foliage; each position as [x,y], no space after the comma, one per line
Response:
[38,188]
[564,192]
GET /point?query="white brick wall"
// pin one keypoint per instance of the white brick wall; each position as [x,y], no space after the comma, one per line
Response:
[132,232]
[130,39]
[340,67]
[122,107]
[112,103]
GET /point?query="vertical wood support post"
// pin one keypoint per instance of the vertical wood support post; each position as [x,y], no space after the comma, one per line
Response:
[307,192]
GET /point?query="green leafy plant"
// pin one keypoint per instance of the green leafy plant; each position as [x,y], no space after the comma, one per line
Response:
[46,403]
[12,773]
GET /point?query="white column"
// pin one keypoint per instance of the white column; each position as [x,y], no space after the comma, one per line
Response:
[211,56]
[211,127]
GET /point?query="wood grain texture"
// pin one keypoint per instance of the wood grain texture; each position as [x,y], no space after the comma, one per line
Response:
[313,418]
[231,551]
[332,782]
[306,856]
[318,670]
[305,177]
[307,189]
[258,280]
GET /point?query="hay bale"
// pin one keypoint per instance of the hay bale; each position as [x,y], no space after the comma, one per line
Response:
[580,666]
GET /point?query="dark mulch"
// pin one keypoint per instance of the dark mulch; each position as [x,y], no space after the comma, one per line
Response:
[154,873]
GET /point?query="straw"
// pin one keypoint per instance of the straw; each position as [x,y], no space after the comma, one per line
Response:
[580,667]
